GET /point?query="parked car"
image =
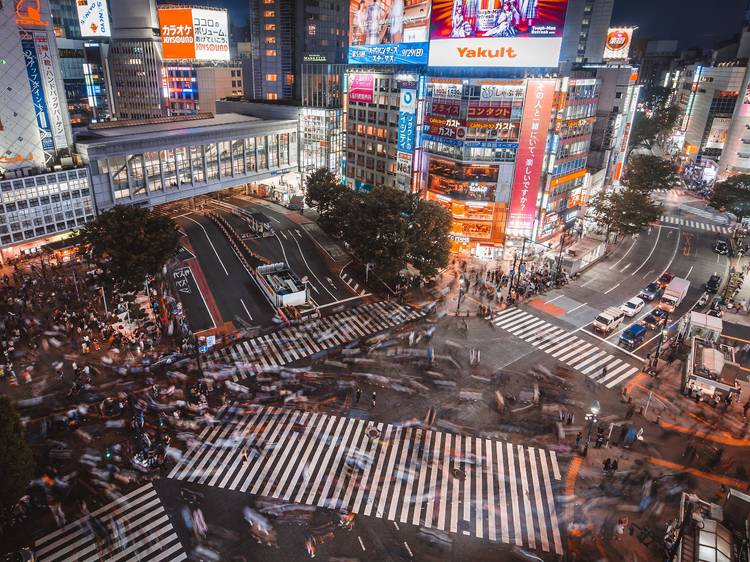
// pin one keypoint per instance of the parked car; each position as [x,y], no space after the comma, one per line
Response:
[664,280]
[654,319]
[721,247]
[633,336]
[651,291]
[713,284]
[632,307]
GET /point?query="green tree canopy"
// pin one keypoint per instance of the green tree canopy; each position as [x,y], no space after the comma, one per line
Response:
[130,242]
[16,459]
[648,173]
[427,237]
[654,128]
[625,211]
[733,195]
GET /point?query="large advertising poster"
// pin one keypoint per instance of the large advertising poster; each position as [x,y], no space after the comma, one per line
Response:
[361,88]
[194,33]
[497,33]
[537,112]
[717,136]
[37,92]
[617,44]
[54,103]
[93,18]
[388,31]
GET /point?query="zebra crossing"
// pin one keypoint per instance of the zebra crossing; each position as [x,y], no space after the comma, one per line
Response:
[565,347]
[502,492]
[297,342]
[136,528]
[694,224]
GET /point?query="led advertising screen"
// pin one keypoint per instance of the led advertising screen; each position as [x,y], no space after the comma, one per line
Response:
[93,18]
[617,44]
[194,33]
[389,31]
[537,112]
[497,33]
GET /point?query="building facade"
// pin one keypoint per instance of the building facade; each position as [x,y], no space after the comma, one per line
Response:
[287,34]
[154,162]
[586,25]
[735,156]
[707,97]
[195,89]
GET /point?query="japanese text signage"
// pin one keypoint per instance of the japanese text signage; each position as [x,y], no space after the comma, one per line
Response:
[93,18]
[54,103]
[406,121]
[388,31]
[37,92]
[194,33]
[496,33]
[361,88]
[537,112]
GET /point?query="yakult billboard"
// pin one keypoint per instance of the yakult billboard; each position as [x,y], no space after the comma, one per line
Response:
[194,33]
[497,33]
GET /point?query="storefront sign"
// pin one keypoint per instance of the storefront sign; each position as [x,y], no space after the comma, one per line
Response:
[407,121]
[489,110]
[501,92]
[403,163]
[361,88]
[450,91]
[537,113]
[445,108]
[54,104]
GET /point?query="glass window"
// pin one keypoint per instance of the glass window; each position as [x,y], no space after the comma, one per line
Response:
[169,168]
[270,27]
[273,153]
[238,159]
[153,171]
[284,149]
[271,77]
[212,162]
[260,142]
[137,179]
[226,159]
[250,155]
[183,165]
[196,158]
[269,13]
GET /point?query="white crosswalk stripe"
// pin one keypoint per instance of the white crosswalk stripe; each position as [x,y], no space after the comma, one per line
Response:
[296,342]
[565,347]
[404,474]
[133,527]
[694,224]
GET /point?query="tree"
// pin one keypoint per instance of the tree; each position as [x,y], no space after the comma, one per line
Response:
[648,173]
[130,242]
[732,195]
[429,245]
[625,211]
[644,131]
[16,459]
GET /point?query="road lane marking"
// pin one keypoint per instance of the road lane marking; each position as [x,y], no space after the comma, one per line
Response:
[624,255]
[656,243]
[611,289]
[576,308]
[310,270]
[553,300]
[212,244]
[246,310]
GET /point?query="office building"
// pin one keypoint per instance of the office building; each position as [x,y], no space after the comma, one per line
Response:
[655,59]
[707,97]
[195,88]
[586,25]
[134,61]
[287,34]
[735,156]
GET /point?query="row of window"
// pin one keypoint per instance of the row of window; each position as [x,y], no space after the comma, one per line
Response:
[153,172]
[569,167]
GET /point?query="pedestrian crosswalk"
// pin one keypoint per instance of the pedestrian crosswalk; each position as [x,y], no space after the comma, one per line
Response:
[489,489]
[694,224]
[596,364]
[297,342]
[133,527]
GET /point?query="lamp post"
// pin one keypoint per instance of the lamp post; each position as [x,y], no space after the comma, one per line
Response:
[662,336]
[592,418]
[559,256]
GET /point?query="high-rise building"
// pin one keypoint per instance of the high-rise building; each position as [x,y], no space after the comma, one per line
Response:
[654,59]
[586,25]
[195,88]
[286,34]
[735,156]
[134,61]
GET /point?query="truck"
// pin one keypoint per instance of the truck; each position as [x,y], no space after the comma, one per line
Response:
[608,320]
[674,294]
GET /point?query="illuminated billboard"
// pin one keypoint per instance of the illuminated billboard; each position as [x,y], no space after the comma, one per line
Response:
[388,31]
[537,112]
[194,33]
[617,44]
[497,33]
[93,18]
[361,88]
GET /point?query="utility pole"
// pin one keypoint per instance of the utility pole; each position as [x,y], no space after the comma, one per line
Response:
[559,257]
[520,263]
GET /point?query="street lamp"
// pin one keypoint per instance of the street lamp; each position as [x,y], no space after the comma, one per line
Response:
[592,418]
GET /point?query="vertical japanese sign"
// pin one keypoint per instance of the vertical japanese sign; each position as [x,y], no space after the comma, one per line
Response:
[37,92]
[49,82]
[406,121]
[537,112]
[361,88]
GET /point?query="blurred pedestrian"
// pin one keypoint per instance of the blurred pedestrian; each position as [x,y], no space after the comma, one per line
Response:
[745,408]
[614,466]
[373,398]
[359,394]
[607,464]
[578,439]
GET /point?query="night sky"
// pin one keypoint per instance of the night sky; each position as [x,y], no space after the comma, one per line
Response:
[698,23]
